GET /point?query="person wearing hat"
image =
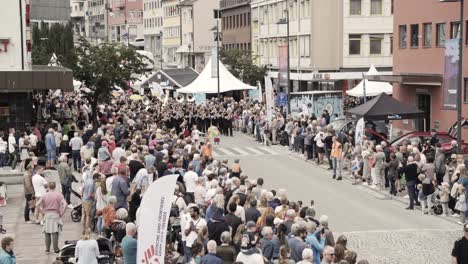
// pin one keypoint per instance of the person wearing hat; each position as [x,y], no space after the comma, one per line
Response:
[460,248]
[249,254]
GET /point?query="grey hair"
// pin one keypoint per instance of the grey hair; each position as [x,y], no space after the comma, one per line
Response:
[291,213]
[112,199]
[267,230]
[130,227]
[121,214]
[310,212]
[307,254]
[324,220]
[225,237]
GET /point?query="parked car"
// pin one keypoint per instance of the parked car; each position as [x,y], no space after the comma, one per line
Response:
[445,138]
[374,130]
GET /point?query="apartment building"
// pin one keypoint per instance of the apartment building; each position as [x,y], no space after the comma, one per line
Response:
[419,62]
[315,39]
[171,32]
[49,12]
[125,20]
[96,20]
[197,32]
[77,17]
[153,27]
[236,24]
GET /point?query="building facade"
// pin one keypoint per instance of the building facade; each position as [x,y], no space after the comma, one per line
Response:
[125,22]
[171,32]
[418,60]
[197,32]
[49,12]
[152,28]
[77,17]
[236,24]
[96,20]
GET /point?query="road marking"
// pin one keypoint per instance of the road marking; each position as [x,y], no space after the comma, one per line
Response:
[399,231]
[229,153]
[256,151]
[240,151]
[269,150]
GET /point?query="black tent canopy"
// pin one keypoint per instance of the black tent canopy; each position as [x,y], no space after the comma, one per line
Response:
[385,107]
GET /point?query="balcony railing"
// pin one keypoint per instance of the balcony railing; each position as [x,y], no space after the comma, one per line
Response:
[233,3]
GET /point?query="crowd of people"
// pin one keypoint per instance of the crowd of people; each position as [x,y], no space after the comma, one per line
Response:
[220,214]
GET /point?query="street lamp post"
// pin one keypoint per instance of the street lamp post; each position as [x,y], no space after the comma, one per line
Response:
[460,75]
[217,52]
[161,47]
[288,74]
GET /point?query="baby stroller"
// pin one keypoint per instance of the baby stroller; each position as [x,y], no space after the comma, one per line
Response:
[76,211]
[106,255]
[436,204]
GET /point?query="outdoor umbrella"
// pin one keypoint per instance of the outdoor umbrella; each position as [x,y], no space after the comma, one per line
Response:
[136,97]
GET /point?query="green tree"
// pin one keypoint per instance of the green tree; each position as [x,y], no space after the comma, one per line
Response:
[239,63]
[57,39]
[102,68]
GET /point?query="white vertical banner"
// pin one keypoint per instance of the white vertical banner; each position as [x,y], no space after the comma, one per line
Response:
[153,217]
[214,62]
[359,132]
[260,93]
[270,104]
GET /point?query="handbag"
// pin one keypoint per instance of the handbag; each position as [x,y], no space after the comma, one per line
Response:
[32,203]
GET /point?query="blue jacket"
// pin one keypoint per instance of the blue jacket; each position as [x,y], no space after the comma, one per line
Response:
[315,245]
[211,259]
[6,258]
[120,190]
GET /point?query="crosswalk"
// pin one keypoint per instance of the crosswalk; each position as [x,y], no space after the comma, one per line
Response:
[245,151]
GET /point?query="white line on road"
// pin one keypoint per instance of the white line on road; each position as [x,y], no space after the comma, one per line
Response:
[254,150]
[269,150]
[242,152]
[400,231]
[228,153]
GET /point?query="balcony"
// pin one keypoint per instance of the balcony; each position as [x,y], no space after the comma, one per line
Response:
[224,4]
[77,9]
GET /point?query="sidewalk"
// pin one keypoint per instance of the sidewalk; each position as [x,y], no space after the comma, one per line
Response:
[29,239]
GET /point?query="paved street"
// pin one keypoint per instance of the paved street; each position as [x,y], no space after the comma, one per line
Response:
[378,228]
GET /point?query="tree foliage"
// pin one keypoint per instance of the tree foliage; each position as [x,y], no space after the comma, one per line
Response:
[239,63]
[101,68]
[57,39]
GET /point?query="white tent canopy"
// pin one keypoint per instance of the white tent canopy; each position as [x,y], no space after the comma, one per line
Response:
[372,88]
[205,83]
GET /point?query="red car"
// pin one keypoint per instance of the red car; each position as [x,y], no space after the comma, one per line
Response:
[445,138]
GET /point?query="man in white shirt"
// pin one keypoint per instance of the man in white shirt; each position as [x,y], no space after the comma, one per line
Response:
[39,185]
[12,149]
[76,143]
[117,153]
[191,229]
[190,180]
[320,141]
[33,140]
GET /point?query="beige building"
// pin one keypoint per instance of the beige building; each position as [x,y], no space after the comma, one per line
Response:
[171,32]
[236,24]
[197,35]
[153,28]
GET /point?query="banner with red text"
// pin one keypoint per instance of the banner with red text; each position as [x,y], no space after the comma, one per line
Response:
[153,218]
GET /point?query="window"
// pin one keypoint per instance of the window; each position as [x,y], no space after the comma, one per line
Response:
[391,44]
[354,44]
[376,44]
[305,46]
[355,7]
[454,29]
[427,35]
[376,7]
[465,92]
[402,36]
[415,35]
[440,34]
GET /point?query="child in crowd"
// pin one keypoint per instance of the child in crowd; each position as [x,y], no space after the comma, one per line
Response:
[461,203]
[445,197]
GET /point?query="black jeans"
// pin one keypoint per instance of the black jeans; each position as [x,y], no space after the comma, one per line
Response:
[66,191]
[13,160]
[28,197]
[391,181]
[411,193]
[440,178]
[328,155]
[76,160]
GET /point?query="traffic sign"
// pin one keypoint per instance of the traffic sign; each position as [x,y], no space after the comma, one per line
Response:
[282,99]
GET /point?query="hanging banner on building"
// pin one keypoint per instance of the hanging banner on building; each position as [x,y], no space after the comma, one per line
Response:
[260,93]
[359,131]
[451,73]
[153,218]
[283,66]
[270,102]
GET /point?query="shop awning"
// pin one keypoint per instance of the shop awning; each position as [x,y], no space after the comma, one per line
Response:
[409,79]
[40,77]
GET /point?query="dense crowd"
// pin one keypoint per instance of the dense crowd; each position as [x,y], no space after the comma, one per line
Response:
[220,214]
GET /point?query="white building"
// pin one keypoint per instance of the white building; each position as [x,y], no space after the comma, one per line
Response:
[77,16]
[332,42]
[152,28]
[367,33]
[198,39]
[96,21]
